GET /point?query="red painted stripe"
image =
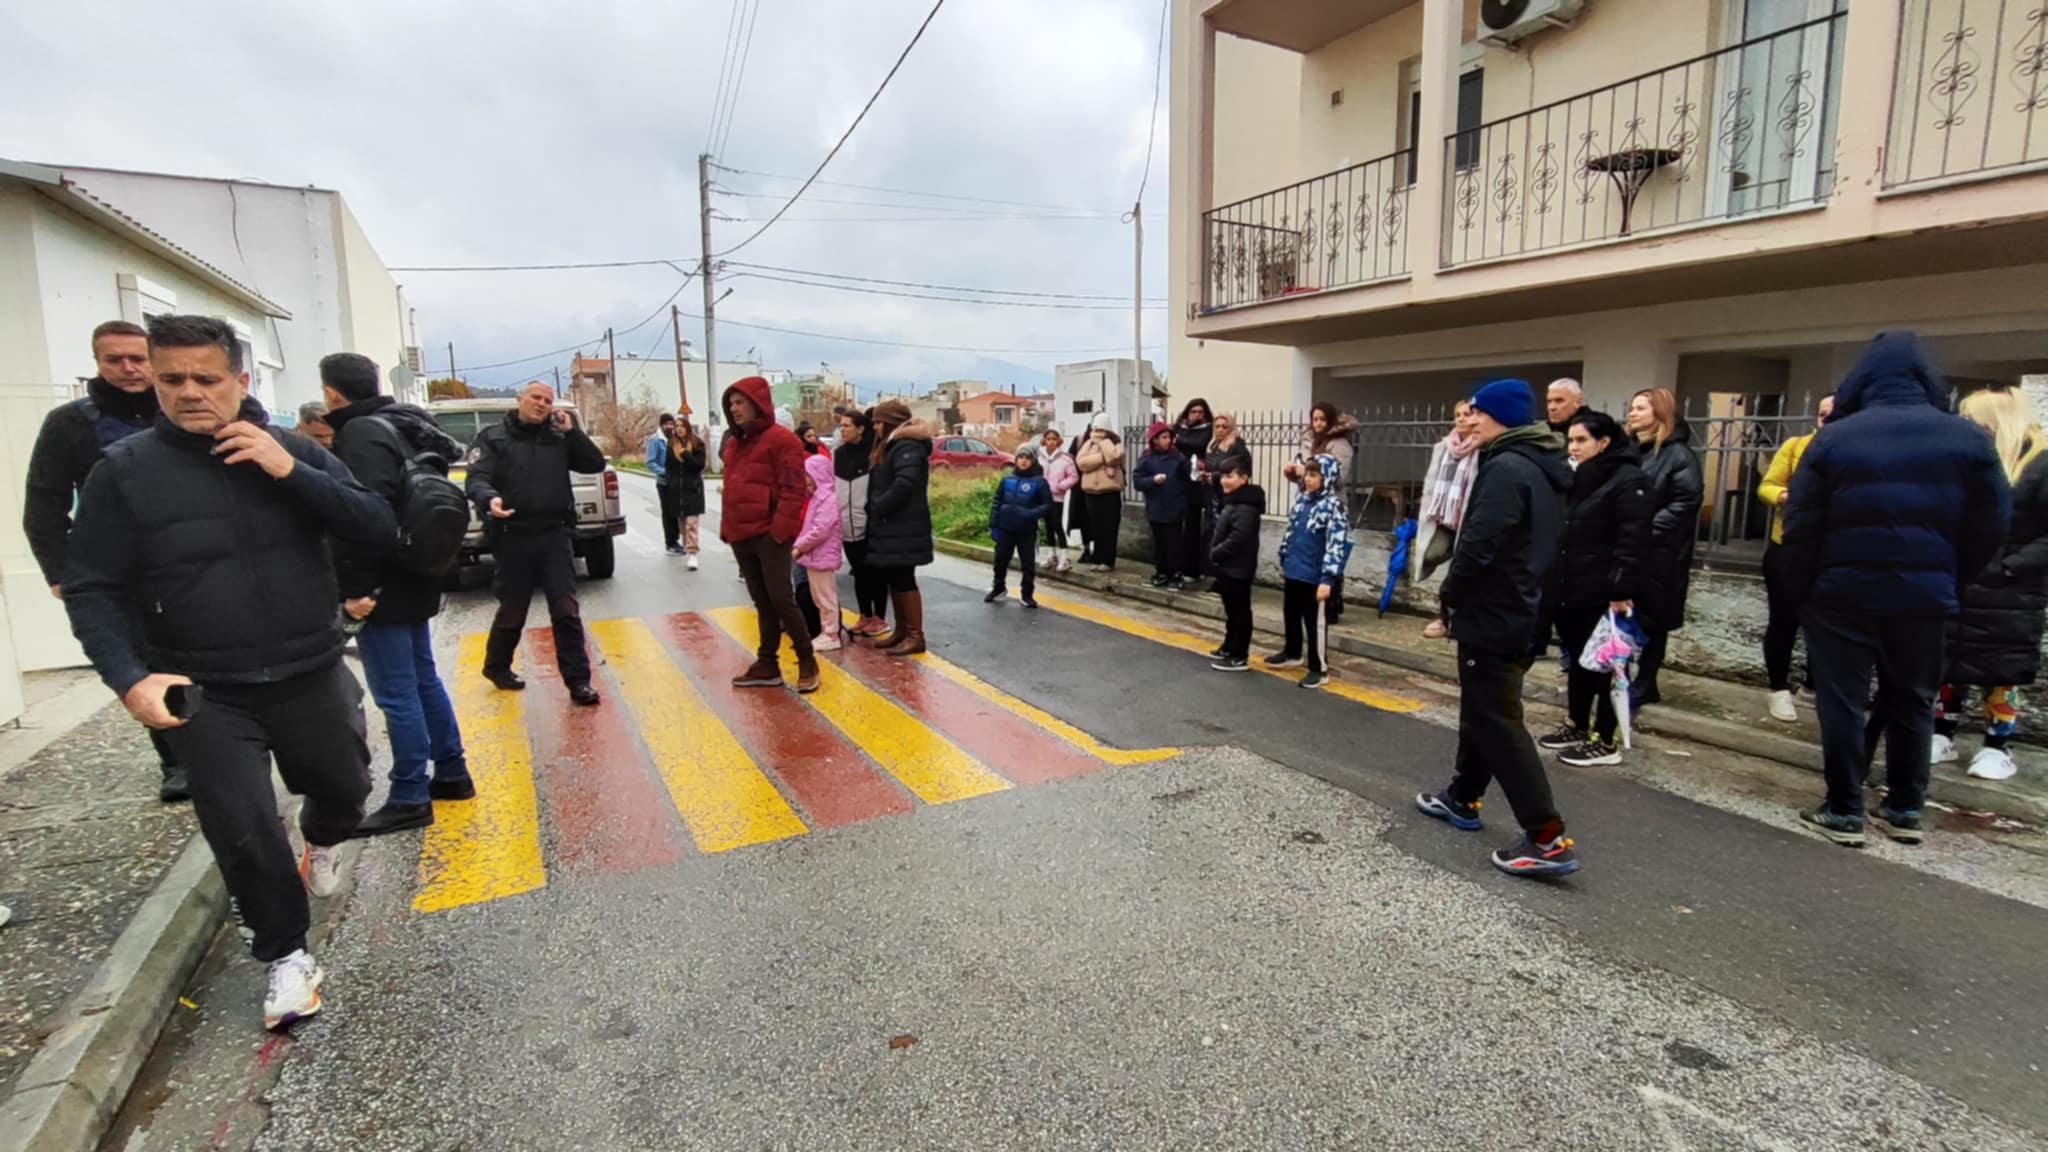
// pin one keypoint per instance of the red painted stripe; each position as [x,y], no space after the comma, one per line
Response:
[609,812]
[819,769]
[1002,740]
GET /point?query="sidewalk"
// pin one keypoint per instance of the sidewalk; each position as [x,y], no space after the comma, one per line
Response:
[1695,708]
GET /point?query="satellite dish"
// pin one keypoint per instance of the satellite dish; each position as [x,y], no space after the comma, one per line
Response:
[401,379]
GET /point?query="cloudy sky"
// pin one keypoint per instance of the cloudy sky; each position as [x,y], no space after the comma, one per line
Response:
[526,132]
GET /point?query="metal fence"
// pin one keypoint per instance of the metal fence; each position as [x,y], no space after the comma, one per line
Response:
[1971,89]
[1347,227]
[1748,128]
[1735,438]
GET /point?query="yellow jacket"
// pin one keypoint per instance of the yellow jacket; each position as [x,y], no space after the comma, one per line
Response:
[1778,481]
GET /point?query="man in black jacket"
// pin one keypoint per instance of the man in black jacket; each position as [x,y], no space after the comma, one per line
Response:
[519,481]
[118,403]
[376,436]
[210,530]
[1493,591]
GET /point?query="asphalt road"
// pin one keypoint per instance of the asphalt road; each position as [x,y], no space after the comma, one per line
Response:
[1253,942]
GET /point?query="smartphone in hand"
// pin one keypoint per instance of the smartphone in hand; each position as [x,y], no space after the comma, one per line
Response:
[182,700]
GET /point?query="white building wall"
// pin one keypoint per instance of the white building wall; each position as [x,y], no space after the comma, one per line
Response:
[372,319]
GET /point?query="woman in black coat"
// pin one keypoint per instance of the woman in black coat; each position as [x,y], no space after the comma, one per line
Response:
[1677,488]
[1599,567]
[1191,435]
[685,480]
[900,519]
[1994,644]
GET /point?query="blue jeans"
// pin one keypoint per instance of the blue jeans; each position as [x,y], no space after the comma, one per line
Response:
[398,660]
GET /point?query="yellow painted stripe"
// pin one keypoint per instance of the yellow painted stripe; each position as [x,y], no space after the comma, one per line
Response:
[487,848]
[934,768]
[724,799]
[1189,642]
[1042,720]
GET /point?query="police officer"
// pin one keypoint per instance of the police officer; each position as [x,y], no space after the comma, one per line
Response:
[519,482]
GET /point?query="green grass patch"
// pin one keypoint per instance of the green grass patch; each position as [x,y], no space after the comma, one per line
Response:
[960,506]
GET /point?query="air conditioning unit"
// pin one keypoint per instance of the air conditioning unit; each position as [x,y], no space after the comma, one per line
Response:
[1504,22]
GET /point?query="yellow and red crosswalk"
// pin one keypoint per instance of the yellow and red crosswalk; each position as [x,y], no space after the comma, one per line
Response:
[677,761]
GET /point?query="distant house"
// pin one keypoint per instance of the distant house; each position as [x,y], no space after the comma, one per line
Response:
[992,414]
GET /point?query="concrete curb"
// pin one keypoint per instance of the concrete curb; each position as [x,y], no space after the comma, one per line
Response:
[68,1095]
[1952,789]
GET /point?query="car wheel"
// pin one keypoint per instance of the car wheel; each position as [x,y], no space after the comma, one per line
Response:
[599,558]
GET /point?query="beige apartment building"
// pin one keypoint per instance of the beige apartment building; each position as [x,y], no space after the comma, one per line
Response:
[1382,201]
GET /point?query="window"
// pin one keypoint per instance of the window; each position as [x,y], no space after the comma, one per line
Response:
[1471,104]
[955,446]
[461,425]
[980,449]
[1408,119]
[1083,407]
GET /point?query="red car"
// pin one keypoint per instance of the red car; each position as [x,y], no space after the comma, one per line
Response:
[963,452]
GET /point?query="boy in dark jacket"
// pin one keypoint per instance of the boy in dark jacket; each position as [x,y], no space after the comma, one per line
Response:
[1312,558]
[1506,544]
[1022,500]
[1234,560]
[1163,478]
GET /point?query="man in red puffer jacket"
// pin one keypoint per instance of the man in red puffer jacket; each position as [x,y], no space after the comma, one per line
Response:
[762,510]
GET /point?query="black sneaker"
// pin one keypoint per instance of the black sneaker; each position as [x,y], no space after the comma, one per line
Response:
[1029,601]
[394,818]
[1231,664]
[1844,830]
[583,695]
[1316,678]
[1443,806]
[174,789]
[1283,660]
[505,681]
[1903,827]
[1159,581]
[1564,737]
[1539,861]
[1218,652]
[995,594]
[455,788]
[1591,754]
[1176,585]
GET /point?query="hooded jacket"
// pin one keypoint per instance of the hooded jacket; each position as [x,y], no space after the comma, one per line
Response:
[1060,471]
[817,543]
[1021,501]
[1318,541]
[225,569]
[1996,640]
[1677,489]
[1234,544]
[1101,464]
[527,466]
[1162,478]
[376,437]
[73,438]
[1339,442]
[850,464]
[1896,502]
[1507,541]
[1606,533]
[899,500]
[763,494]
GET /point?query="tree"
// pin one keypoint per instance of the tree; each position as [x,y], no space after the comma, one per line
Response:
[447,388]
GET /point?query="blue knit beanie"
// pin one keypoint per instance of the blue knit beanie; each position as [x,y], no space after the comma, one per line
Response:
[1511,402]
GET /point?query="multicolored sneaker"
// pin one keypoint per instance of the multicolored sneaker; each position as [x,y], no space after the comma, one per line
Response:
[1528,858]
[1591,754]
[1844,830]
[1565,736]
[1903,827]
[1446,808]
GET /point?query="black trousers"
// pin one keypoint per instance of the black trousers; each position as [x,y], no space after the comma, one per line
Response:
[900,581]
[1781,629]
[1191,529]
[546,560]
[765,565]
[1166,548]
[1842,650]
[1585,691]
[671,524]
[1055,531]
[1105,525]
[1237,616]
[1494,744]
[1306,620]
[806,606]
[166,756]
[1024,546]
[313,725]
[1654,644]
[870,587]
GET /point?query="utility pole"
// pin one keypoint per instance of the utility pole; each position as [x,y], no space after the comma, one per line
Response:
[451,359]
[1138,298]
[558,379]
[611,376]
[675,327]
[713,417]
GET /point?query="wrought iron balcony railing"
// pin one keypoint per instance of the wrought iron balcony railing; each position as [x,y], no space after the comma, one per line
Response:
[1747,129]
[1971,91]
[1348,227]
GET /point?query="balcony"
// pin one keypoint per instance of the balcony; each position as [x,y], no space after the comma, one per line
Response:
[1970,96]
[1746,130]
[1346,228]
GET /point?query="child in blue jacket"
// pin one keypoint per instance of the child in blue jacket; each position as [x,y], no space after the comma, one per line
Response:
[1312,558]
[1022,500]
[1163,477]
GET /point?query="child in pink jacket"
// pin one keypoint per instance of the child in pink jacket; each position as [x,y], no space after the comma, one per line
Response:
[817,549]
[1063,475]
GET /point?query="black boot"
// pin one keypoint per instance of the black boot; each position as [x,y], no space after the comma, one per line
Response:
[498,649]
[394,818]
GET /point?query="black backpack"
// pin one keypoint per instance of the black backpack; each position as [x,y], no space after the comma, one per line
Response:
[433,511]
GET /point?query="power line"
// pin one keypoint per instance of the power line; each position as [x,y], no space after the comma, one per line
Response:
[1106,212]
[867,291]
[920,347]
[1152,126]
[723,218]
[848,134]
[915,192]
[739,82]
[742,264]
[724,72]
[676,264]
[578,347]
[934,287]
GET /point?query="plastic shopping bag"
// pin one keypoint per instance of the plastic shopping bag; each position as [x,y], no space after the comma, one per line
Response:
[1613,645]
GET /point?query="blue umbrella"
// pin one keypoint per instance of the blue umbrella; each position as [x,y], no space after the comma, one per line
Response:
[1398,563]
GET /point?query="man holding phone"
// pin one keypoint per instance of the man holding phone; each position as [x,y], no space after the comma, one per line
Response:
[519,482]
[209,533]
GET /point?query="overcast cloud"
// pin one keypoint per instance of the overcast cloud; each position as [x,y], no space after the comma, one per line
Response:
[466,133]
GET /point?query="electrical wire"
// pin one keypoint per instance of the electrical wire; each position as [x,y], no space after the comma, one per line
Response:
[739,79]
[1076,212]
[934,287]
[720,216]
[847,135]
[578,347]
[676,264]
[913,192]
[1152,126]
[867,291]
[724,73]
[921,347]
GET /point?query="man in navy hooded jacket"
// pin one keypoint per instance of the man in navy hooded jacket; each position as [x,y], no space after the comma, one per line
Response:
[1895,503]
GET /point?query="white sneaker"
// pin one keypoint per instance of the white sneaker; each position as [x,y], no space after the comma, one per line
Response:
[1781,708]
[825,644]
[294,991]
[1993,764]
[692,562]
[320,868]
[1943,751]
